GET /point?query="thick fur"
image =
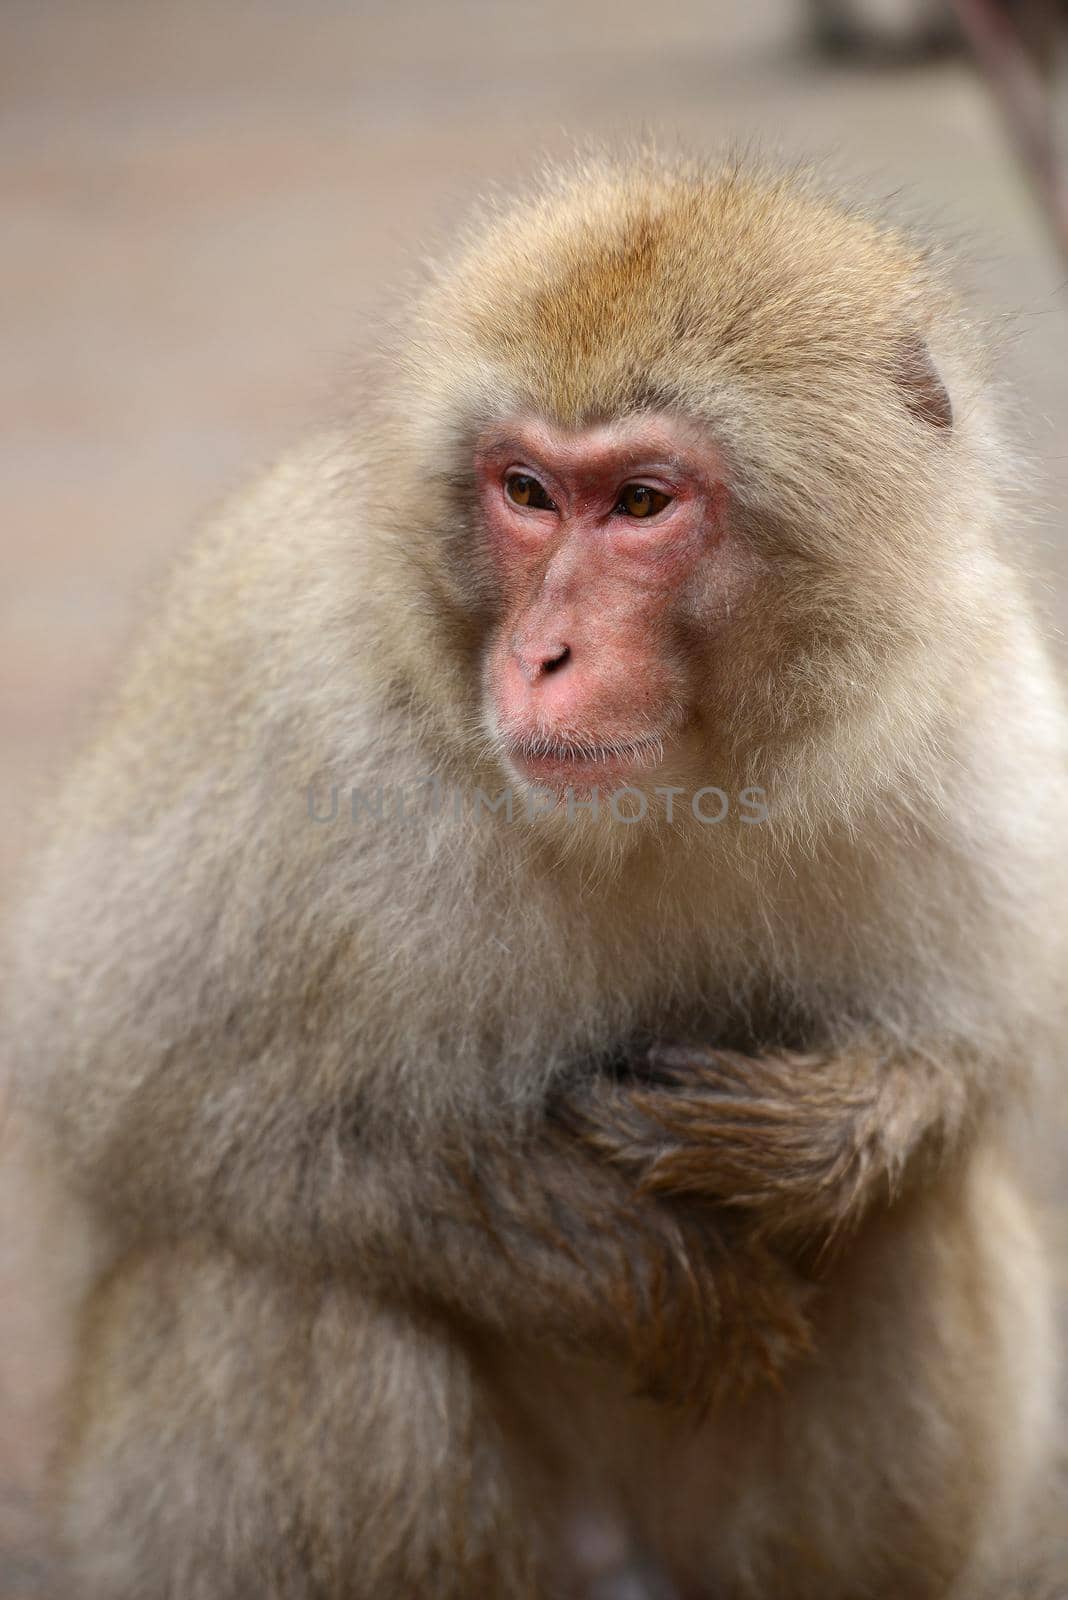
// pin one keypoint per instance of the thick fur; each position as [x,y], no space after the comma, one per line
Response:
[466,1178]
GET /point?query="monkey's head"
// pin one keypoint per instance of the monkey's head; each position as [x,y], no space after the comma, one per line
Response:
[699,498]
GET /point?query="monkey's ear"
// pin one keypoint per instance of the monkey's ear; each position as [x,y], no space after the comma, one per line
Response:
[921,386]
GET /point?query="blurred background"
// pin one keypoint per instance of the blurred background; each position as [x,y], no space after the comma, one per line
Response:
[205,205]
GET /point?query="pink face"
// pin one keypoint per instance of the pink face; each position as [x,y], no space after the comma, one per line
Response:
[607,544]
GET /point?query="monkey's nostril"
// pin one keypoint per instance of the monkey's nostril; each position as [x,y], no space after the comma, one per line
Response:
[536,661]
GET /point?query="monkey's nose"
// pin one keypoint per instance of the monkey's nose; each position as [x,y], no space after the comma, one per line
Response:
[539,661]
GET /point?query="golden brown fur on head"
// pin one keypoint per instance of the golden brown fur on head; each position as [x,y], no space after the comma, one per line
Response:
[614,286]
[736,295]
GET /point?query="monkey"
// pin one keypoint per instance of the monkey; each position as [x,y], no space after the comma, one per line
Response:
[531,979]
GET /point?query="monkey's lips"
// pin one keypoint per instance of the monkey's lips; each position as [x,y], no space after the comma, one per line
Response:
[562,764]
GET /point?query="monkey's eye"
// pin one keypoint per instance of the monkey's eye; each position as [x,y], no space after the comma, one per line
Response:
[639,500]
[523,490]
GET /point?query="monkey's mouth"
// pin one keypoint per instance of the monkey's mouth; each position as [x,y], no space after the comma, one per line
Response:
[583,763]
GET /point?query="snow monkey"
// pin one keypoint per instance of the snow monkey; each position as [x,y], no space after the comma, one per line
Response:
[530,978]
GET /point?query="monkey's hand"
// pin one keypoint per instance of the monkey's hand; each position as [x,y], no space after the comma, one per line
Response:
[803,1143]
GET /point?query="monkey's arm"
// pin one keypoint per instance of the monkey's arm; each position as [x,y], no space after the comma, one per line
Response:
[540,1241]
[805,1143]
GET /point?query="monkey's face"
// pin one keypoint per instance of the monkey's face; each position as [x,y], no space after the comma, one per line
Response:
[699,498]
[608,544]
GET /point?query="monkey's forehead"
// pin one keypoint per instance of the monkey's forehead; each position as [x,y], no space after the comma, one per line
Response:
[606,291]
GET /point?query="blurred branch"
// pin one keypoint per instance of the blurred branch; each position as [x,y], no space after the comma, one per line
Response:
[1015,46]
